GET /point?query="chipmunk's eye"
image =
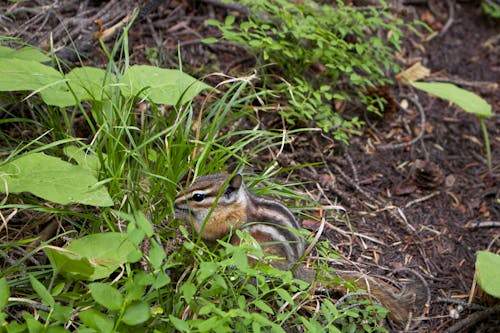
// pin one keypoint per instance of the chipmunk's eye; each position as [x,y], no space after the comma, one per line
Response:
[198,197]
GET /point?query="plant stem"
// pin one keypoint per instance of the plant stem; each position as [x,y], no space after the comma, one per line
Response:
[487,143]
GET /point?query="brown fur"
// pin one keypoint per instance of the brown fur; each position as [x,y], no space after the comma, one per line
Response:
[226,216]
[222,221]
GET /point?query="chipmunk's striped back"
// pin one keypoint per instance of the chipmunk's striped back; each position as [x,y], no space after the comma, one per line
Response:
[215,204]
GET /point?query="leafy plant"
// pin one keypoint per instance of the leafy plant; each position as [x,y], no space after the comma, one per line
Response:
[324,54]
[488,272]
[158,85]
[468,101]
[491,8]
[52,179]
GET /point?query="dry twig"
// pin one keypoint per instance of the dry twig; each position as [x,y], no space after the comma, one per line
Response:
[415,101]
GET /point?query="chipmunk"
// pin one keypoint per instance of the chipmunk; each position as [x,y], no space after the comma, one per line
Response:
[217,204]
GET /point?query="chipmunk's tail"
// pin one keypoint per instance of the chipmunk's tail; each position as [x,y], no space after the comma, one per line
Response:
[406,306]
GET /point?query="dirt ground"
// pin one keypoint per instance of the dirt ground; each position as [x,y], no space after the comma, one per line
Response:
[424,206]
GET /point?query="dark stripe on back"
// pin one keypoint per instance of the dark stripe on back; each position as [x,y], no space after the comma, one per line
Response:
[272,214]
[276,207]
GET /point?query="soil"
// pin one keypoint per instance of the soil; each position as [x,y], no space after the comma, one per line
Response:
[424,206]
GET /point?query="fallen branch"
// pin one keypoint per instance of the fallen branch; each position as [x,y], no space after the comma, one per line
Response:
[485,224]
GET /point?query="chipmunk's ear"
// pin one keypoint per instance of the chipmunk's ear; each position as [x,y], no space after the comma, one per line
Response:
[236,181]
[233,185]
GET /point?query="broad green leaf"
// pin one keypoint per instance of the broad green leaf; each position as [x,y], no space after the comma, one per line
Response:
[179,324]
[467,100]
[144,224]
[86,83]
[135,234]
[69,263]
[156,255]
[210,324]
[159,85]
[4,293]
[40,289]
[135,287]
[263,306]
[136,313]
[18,74]
[96,320]
[58,288]
[85,329]
[34,326]
[86,159]
[57,329]
[106,251]
[162,279]
[53,179]
[25,53]
[62,313]
[106,295]
[285,295]
[207,269]
[488,272]
[15,327]
[188,289]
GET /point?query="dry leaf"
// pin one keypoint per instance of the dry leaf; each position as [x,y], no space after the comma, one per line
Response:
[414,73]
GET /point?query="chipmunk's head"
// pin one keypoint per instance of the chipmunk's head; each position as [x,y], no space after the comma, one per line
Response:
[213,204]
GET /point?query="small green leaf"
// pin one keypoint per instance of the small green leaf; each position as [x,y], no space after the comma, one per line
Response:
[188,289]
[210,40]
[136,313]
[207,269]
[96,320]
[488,272]
[179,324]
[58,288]
[40,289]
[135,288]
[263,306]
[285,295]
[229,20]
[62,313]
[467,100]
[57,329]
[106,295]
[144,224]
[156,255]
[15,327]
[134,234]
[34,326]
[162,279]
[53,179]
